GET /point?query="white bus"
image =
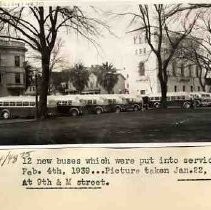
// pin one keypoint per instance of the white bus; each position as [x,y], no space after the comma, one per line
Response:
[93,103]
[21,106]
[202,98]
[132,102]
[174,99]
[67,104]
[114,102]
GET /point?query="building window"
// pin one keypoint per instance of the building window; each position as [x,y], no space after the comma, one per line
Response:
[140,51]
[190,70]
[182,70]
[197,71]
[143,92]
[191,88]
[91,85]
[139,40]
[17,61]
[174,73]
[136,52]
[144,50]
[183,88]
[199,89]
[134,39]
[17,78]
[141,69]
[175,88]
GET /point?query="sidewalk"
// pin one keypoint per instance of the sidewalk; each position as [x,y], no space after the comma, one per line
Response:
[11,121]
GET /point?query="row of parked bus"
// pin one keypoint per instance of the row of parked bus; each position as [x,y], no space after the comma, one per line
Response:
[25,106]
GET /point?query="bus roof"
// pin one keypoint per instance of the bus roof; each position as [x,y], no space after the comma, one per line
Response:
[17,98]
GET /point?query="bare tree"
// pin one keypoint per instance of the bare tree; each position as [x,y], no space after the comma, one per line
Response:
[156,24]
[40,31]
[194,52]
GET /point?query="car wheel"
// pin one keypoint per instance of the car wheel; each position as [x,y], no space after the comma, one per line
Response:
[6,115]
[117,110]
[156,105]
[198,104]
[98,111]
[74,113]
[186,105]
[135,109]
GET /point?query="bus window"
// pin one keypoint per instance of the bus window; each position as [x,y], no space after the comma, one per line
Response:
[183,97]
[1,103]
[94,101]
[168,98]
[25,103]
[12,103]
[89,102]
[110,101]
[6,103]
[18,103]
[64,103]
[69,102]
[157,98]
[173,98]
[32,103]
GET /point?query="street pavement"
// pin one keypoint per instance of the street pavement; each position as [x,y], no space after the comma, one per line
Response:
[14,121]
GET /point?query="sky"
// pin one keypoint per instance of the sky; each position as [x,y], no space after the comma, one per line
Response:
[114,46]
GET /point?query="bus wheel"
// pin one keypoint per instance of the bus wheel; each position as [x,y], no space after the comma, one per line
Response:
[74,112]
[117,110]
[136,108]
[198,104]
[186,105]
[6,114]
[98,111]
[156,105]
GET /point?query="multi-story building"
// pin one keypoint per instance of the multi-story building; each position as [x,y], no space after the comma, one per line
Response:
[12,57]
[182,75]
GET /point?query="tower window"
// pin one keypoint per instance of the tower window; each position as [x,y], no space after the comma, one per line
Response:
[17,61]
[17,78]
[174,69]
[191,88]
[182,70]
[141,69]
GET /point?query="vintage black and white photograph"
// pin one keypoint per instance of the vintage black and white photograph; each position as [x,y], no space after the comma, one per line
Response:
[105,72]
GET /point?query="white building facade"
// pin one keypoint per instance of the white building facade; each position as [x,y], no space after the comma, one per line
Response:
[12,73]
[182,76]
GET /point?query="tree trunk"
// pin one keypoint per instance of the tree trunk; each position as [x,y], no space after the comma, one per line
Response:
[163,94]
[44,85]
[163,85]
